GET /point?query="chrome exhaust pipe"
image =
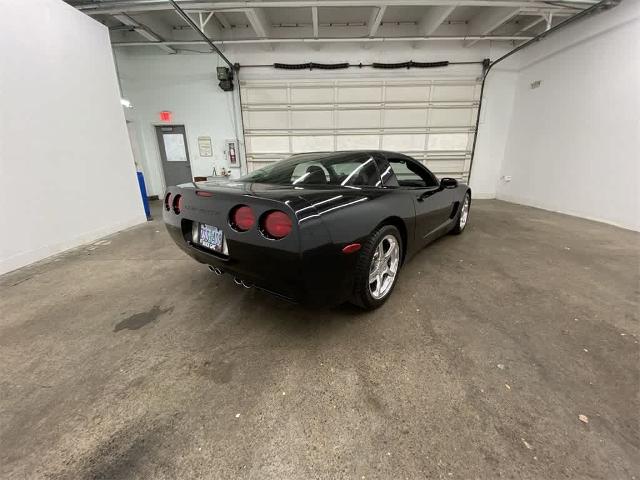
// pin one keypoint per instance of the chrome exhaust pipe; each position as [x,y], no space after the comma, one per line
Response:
[216,270]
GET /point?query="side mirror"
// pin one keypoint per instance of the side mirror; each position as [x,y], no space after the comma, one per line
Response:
[448,182]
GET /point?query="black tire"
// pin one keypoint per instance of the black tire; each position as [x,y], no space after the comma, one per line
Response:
[458,228]
[362,295]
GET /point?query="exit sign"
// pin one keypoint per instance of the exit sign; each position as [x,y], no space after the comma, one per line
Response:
[165,116]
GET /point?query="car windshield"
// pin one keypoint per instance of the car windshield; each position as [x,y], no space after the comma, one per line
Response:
[343,168]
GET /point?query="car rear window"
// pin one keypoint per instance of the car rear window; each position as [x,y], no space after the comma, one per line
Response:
[344,168]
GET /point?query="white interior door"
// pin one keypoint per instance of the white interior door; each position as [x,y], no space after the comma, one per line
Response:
[432,120]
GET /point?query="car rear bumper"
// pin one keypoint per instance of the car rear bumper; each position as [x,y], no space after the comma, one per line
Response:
[322,277]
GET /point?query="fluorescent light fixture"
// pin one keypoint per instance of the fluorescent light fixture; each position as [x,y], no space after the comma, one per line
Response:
[126,103]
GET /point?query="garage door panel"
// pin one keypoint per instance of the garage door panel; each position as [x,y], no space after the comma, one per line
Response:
[448,141]
[358,142]
[312,119]
[308,95]
[405,117]
[255,164]
[358,118]
[445,167]
[430,119]
[410,93]
[266,95]
[269,144]
[359,94]
[403,142]
[458,93]
[451,117]
[267,120]
[320,143]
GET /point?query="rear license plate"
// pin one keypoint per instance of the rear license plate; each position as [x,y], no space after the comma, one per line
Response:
[211,237]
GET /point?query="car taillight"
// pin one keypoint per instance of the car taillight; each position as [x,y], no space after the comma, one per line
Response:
[167,201]
[277,224]
[177,204]
[243,218]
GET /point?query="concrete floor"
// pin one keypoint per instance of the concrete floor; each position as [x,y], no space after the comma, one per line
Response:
[126,359]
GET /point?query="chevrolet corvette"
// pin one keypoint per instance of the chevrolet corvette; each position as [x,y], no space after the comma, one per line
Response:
[321,228]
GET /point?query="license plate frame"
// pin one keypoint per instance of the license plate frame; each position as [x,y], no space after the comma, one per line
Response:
[211,237]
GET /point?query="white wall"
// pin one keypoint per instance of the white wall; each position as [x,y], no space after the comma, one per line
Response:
[495,117]
[574,143]
[67,173]
[186,85]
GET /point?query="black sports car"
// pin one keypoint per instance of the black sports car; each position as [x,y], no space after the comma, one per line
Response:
[320,228]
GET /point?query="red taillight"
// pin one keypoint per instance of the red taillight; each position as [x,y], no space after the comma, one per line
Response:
[167,201]
[277,224]
[202,193]
[242,218]
[177,204]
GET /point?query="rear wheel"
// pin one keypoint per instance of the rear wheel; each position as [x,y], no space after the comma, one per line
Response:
[463,215]
[378,267]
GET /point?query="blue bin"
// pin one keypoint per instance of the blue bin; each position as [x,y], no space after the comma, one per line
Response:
[143,193]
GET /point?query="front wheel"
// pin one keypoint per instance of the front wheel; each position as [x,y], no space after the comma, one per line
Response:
[463,215]
[378,267]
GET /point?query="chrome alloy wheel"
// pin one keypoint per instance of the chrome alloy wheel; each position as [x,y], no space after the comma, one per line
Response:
[384,267]
[464,213]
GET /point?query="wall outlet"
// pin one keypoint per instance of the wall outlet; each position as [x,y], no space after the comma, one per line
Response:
[506,178]
[536,84]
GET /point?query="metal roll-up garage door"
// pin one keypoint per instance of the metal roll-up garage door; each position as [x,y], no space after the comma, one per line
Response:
[432,120]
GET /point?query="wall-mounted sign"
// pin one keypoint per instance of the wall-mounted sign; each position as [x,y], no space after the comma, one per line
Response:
[205,147]
[165,116]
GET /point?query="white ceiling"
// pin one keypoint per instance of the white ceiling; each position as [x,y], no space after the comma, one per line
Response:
[154,23]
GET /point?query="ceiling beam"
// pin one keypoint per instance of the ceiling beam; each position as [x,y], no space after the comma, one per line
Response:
[433,18]
[330,40]
[204,20]
[259,22]
[376,19]
[314,20]
[488,20]
[121,6]
[144,31]
[530,25]
[222,19]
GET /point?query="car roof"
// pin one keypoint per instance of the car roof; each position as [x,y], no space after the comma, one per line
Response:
[342,154]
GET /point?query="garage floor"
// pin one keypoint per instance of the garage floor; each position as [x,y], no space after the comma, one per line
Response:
[127,359]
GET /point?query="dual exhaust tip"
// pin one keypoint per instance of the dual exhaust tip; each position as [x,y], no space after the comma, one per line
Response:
[219,271]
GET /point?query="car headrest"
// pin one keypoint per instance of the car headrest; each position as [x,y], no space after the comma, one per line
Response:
[316,175]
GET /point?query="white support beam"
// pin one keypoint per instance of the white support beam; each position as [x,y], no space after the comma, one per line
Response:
[120,6]
[127,20]
[530,25]
[376,19]
[259,22]
[145,32]
[221,43]
[314,20]
[222,19]
[488,20]
[549,19]
[203,22]
[433,18]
